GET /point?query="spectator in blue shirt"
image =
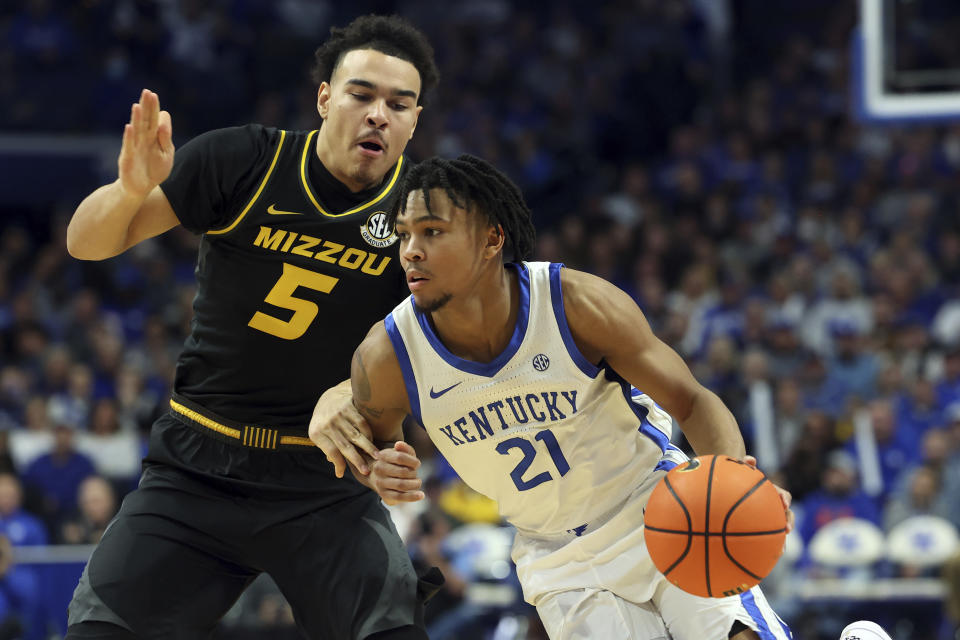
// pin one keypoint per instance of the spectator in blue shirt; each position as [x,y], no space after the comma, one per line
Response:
[20,527]
[20,585]
[918,411]
[948,388]
[20,602]
[851,368]
[895,450]
[55,476]
[840,497]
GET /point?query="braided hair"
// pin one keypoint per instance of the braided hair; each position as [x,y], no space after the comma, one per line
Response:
[471,183]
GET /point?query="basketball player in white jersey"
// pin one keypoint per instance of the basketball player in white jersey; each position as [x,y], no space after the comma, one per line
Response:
[526,377]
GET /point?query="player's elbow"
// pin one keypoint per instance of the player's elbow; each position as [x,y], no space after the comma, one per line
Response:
[75,246]
[685,402]
[82,247]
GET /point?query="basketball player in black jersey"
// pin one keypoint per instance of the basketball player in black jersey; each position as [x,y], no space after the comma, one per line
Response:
[295,261]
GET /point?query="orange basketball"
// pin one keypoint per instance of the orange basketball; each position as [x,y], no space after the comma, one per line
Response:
[715,526]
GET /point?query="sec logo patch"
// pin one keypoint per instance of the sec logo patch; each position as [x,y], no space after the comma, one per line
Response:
[541,362]
[377,232]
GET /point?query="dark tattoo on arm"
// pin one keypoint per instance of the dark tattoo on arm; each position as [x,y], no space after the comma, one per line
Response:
[366,410]
[361,381]
[362,395]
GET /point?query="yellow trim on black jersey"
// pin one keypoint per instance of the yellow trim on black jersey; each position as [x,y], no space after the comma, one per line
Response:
[263,183]
[306,184]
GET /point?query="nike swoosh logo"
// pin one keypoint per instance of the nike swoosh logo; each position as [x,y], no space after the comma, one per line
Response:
[272,210]
[437,394]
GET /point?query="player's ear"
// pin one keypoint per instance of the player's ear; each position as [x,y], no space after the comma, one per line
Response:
[495,238]
[323,99]
[416,119]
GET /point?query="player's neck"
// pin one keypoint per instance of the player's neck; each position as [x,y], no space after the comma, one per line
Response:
[478,327]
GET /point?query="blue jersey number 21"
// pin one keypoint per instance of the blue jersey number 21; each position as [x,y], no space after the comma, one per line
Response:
[529,452]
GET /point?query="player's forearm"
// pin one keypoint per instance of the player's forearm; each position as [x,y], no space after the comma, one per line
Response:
[710,428]
[100,226]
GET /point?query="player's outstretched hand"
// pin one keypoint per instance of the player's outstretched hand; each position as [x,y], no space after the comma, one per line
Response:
[340,431]
[393,474]
[146,156]
[785,496]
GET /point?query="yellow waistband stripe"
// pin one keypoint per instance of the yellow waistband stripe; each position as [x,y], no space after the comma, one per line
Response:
[249,436]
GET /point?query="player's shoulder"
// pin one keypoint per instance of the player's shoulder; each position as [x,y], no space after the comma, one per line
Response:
[245,139]
[580,288]
[376,347]
[376,362]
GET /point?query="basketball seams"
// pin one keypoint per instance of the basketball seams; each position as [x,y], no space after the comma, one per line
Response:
[706,525]
[729,534]
[733,507]
[726,521]
[686,514]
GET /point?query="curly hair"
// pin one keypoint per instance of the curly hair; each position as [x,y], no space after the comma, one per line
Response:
[391,35]
[472,183]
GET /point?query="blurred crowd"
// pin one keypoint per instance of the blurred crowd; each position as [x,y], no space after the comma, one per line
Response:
[698,154]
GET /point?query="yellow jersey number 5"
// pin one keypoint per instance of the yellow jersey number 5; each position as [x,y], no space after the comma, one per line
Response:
[281,295]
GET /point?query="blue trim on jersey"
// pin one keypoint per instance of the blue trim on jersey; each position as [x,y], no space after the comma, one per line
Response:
[665,465]
[783,625]
[763,629]
[629,392]
[409,380]
[636,392]
[556,296]
[492,368]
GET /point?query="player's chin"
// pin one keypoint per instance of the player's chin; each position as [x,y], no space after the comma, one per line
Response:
[426,304]
[370,171]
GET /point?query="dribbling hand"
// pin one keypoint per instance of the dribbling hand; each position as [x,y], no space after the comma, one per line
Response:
[146,156]
[785,497]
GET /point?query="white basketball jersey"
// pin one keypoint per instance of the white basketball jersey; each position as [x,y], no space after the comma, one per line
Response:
[554,439]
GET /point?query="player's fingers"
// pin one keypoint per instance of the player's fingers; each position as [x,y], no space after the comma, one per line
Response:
[151,106]
[386,469]
[790,520]
[750,460]
[165,132]
[136,121]
[144,109]
[127,141]
[399,484]
[404,447]
[339,463]
[348,451]
[395,457]
[358,439]
[331,451]
[786,497]
[396,497]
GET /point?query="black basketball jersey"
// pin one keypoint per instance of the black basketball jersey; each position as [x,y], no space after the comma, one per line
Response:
[287,285]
